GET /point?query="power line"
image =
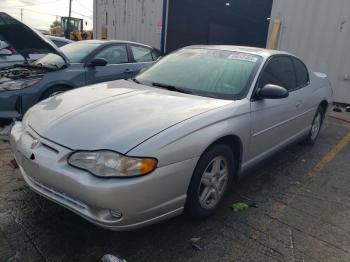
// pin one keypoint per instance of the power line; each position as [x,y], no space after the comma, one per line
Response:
[86,8]
[88,16]
[33,11]
[42,13]
[28,5]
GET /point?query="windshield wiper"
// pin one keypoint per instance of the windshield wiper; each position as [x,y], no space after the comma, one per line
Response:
[136,81]
[172,88]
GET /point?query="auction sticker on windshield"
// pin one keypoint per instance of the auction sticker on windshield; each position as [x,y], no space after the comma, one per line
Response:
[243,57]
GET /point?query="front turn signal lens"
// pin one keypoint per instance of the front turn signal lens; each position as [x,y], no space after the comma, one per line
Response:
[148,165]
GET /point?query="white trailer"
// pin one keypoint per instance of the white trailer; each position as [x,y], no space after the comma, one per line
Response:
[318,31]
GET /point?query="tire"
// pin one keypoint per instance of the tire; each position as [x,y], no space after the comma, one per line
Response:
[55,90]
[315,127]
[205,193]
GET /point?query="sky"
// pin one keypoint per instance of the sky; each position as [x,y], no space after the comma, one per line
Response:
[40,14]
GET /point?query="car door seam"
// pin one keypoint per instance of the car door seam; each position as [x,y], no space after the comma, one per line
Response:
[281,123]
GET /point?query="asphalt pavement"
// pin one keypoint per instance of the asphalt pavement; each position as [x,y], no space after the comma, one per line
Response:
[302,214]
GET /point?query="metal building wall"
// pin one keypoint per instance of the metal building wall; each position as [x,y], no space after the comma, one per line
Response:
[318,31]
[132,20]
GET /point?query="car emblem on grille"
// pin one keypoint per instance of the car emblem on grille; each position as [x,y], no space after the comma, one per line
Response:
[34,144]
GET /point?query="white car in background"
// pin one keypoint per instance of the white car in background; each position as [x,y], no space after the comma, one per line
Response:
[9,56]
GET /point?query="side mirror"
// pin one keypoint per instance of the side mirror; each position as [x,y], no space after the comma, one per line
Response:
[272,92]
[5,52]
[97,62]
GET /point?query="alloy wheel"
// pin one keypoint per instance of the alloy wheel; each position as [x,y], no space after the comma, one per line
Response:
[213,183]
[316,126]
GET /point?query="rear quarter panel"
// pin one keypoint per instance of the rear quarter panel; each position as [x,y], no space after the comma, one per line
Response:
[319,90]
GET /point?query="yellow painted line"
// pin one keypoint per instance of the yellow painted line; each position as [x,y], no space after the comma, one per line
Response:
[279,207]
[330,156]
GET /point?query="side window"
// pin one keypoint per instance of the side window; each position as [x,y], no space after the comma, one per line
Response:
[301,72]
[156,54]
[116,54]
[142,54]
[279,71]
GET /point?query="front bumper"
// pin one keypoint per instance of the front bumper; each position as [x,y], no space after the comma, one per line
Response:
[139,201]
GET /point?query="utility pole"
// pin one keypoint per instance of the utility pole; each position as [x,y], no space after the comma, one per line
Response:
[21,14]
[68,28]
[70,8]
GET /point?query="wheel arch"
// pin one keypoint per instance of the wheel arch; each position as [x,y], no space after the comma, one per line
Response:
[65,85]
[324,104]
[236,145]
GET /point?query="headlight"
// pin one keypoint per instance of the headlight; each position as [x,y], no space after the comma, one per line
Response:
[106,163]
[19,84]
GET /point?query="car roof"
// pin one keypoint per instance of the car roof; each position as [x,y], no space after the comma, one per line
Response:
[51,37]
[244,49]
[97,41]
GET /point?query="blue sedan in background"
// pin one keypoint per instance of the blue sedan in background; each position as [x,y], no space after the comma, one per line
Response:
[73,65]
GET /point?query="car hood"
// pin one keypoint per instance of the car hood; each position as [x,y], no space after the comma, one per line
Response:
[24,39]
[116,115]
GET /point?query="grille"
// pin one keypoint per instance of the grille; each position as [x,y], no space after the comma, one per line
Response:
[62,196]
[54,150]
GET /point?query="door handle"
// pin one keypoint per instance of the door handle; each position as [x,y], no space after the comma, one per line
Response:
[298,104]
[128,71]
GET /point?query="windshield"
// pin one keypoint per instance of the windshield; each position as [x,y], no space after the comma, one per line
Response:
[74,51]
[213,73]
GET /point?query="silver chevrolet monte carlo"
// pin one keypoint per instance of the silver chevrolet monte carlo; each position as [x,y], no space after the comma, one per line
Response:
[129,153]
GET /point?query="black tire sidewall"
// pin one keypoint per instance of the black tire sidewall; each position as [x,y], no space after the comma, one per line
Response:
[193,208]
[309,139]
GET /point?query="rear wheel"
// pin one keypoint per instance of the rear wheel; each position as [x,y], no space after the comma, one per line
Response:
[53,91]
[210,181]
[316,126]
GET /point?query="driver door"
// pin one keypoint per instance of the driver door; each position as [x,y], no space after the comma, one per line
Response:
[118,65]
[274,121]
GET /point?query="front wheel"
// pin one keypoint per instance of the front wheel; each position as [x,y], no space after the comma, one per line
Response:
[210,182]
[316,127]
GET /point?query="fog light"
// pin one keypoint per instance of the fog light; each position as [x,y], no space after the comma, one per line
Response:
[115,213]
